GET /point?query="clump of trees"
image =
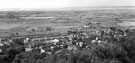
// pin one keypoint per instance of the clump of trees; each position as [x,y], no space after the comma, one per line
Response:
[48,28]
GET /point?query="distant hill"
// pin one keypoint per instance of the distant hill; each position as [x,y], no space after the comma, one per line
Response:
[73,8]
[88,8]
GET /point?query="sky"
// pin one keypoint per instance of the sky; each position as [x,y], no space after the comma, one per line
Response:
[40,4]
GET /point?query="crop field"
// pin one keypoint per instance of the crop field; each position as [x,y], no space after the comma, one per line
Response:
[36,22]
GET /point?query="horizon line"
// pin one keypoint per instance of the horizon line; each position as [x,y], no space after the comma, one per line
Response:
[61,8]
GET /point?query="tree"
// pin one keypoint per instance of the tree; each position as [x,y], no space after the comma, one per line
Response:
[113,28]
[17,33]
[48,28]
[33,30]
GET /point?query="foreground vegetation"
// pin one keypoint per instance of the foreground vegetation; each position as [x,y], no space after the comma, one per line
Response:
[122,51]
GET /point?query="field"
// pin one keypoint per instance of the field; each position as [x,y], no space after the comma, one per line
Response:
[37,22]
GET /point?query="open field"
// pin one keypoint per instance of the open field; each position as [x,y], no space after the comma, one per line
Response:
[36,22]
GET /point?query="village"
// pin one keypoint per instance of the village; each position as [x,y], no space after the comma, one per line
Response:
[67,37]
[72,40]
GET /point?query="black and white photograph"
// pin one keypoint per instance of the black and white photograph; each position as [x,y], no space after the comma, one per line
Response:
[67,31]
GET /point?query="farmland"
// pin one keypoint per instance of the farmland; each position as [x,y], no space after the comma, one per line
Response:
[36,22]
